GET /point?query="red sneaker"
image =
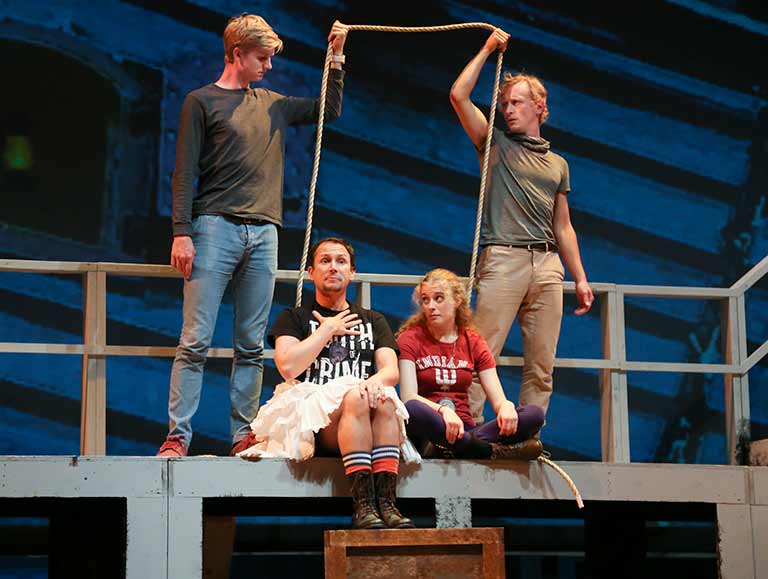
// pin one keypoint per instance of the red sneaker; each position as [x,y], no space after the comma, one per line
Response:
[246,442]
[172,447]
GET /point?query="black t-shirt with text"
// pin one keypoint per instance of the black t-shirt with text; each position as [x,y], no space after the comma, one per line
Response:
[343,355]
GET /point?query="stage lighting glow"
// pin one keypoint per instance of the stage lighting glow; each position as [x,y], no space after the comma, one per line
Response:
[18,153]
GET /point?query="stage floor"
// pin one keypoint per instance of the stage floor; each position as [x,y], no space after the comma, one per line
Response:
[165,499]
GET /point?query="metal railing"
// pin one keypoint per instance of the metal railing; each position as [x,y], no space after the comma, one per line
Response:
[613,365]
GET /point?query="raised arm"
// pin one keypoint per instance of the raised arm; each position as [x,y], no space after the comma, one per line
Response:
[472,118]
[569,250]
[300,110]
[294,356]
[338,36]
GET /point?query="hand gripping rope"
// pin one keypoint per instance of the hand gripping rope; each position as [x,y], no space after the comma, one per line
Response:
[483,172]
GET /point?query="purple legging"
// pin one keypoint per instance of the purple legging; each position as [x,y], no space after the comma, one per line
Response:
[425,424]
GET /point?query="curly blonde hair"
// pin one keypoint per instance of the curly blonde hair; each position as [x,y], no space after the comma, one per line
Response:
[452,285]
[248,31]
[538,92]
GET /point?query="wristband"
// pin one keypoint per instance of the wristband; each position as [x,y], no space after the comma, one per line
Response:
[446,403]
[340,58]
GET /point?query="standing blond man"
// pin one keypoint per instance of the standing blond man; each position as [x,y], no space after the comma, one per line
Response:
[526,228]
[227,208]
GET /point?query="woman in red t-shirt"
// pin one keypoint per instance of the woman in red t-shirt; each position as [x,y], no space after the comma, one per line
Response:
[439,352]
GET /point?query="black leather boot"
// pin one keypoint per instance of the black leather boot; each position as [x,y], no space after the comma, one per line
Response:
[386,483]
[364,514]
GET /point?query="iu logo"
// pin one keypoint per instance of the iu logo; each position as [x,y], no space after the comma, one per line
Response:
[445,378]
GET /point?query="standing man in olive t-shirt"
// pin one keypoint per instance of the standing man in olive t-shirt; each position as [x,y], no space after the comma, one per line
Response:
[227,205]
[526,227]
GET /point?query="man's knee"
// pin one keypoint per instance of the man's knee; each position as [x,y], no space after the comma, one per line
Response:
[354,404]
[194,341]
[539,375]
[249,354]
[192,351]
[385,410]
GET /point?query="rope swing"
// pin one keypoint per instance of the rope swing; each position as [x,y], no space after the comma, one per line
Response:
[483,173]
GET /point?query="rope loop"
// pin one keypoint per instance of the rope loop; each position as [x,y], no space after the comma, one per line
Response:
[319,141]
[315,172]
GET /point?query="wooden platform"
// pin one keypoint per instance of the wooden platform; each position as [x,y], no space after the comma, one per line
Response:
[415,554]
[165,498]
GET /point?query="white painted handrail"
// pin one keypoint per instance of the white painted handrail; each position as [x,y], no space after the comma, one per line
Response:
[613,365]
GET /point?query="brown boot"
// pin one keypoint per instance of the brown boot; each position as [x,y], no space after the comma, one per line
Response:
[526,450]
[364,514]
[386,482]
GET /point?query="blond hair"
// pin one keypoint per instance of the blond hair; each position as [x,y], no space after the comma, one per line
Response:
[453,286]
[248,31]
[538,92]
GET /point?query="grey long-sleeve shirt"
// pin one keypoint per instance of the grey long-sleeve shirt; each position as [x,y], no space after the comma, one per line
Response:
[233,143]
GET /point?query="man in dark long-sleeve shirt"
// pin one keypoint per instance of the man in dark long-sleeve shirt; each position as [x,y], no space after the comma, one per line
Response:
[227,205]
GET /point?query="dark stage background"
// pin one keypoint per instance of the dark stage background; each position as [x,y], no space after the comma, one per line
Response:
[659,107]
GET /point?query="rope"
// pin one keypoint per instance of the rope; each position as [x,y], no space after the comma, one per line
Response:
[315,171]
[484,178]
[441,28]
[321,122]
[567,479]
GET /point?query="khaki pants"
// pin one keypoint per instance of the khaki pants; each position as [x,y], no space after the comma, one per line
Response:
[515,282]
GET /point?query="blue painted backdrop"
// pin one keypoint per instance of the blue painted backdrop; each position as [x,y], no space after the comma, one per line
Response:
[661,115]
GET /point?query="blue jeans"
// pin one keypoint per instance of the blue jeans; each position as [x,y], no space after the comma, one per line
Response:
[246,255]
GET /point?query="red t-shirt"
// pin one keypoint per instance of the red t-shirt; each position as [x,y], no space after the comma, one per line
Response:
[445,370]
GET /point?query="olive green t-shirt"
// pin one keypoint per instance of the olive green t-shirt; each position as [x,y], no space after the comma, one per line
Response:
[525,178]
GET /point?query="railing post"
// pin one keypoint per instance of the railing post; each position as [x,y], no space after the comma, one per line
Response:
[363,298]
[93,403]
[737,418]
[614,421]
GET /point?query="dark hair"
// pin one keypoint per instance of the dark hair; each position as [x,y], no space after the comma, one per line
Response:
[340,241]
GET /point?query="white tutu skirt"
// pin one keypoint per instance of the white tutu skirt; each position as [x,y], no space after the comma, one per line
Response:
[285,427]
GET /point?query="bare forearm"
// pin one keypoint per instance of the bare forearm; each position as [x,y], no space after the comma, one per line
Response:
[498,401]
[489,380]
[466,81]
[569,250]
[295,359]
[388,375]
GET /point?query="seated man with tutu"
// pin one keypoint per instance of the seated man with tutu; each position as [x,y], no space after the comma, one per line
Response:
[439,352]
[345,402]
